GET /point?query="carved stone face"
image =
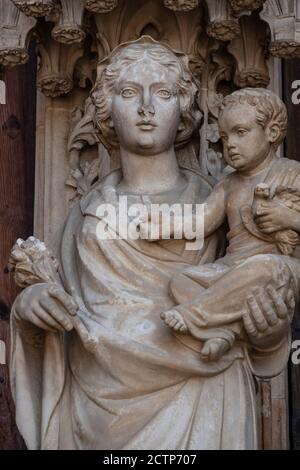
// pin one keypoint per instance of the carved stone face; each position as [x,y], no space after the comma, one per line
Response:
[246,143]
[145,108]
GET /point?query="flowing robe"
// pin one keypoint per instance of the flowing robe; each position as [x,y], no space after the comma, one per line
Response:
[131,383]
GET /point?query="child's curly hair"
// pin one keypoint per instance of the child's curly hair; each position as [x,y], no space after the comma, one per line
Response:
[269,108]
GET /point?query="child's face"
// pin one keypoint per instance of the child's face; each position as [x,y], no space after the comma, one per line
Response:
[246,143]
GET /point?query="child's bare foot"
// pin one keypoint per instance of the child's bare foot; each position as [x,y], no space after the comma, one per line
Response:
[174,320]
[214,349]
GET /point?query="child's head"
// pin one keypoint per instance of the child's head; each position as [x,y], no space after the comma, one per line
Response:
[252,122]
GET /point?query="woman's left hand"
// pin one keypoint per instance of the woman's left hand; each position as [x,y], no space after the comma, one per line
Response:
[269,316]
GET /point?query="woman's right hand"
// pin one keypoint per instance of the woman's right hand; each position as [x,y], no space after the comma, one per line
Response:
[47,306]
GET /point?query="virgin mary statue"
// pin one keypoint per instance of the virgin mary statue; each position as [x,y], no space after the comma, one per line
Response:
[110,374]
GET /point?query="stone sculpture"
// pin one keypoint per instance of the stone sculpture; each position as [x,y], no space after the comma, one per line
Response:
[118,377]
[252,125]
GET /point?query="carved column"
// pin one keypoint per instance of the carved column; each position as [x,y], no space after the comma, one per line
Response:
[283,19]
[69,28]
[55,75]
[249,51]
[15,29]
[222,24]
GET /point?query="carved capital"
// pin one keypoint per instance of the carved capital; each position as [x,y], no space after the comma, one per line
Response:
[56,84]
[284,23]
[251,78]
[37,8]
[249,51]
[69,28]
[101,6]
[285,49]
[57,64]
[223,30]
[15,30]
[68,33]
[11,57]
[246,5]
[181,5]
[222,24]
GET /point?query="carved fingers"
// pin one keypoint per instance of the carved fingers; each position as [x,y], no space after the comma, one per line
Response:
[55,316]
[254,319]
[45,318]
[268,314]
[272,217]
[65,299]
[47,306]
[290,300]
[280,306]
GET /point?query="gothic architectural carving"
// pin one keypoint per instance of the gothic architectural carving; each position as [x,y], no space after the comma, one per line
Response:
[181,5]
[224,47]
[283,19]
[110,305]
[245,6]
[11,57]
[100,6]
[15,30]
[222,24]
[37,8]
[249,51]
[69,28]
[55,76]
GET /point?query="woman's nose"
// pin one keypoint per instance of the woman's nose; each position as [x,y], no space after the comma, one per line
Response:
[146,107]
[146,110]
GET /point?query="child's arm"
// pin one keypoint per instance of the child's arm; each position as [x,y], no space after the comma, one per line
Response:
[214,216]
[214,209]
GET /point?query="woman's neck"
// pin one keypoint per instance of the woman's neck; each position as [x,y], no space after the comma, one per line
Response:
[150,174]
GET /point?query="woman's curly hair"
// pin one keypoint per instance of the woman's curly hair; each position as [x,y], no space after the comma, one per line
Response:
[102,92]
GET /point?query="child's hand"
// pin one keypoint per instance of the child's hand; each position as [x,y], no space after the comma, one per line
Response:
[274,216]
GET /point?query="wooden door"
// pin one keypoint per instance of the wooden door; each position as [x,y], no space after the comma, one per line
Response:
[291,74]
[17,152]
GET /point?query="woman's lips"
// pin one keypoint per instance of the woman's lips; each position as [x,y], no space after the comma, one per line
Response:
[146,126]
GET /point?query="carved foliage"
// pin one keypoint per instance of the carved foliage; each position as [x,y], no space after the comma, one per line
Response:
[69,28]
[240,6]
[101,6]
[181,5]
[37,8]
[285,49]
[55,75]
[222,24]
[15,29]
[282,18]
[249,51]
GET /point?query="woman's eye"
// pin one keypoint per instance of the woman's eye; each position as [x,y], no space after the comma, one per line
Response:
[241,132]
[128,93]
[164,94]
